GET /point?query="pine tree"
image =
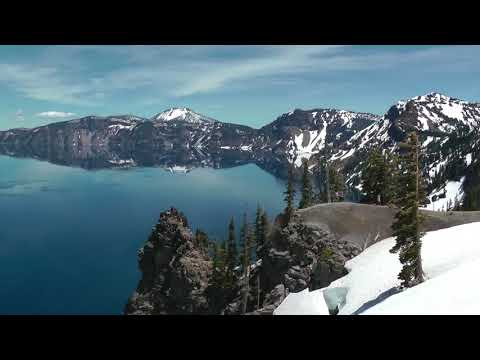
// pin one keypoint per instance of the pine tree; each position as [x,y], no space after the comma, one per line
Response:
[407,224]
[246,239]
[289,195]
[336,185]
[261,230]
[219,285]
[232,254]
[327,179]
[321,196]
[306,199]
[258,230]
[377,177]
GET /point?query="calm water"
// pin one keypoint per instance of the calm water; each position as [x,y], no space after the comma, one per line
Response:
[69,237]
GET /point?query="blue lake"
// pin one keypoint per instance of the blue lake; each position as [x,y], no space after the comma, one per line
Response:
[69,237]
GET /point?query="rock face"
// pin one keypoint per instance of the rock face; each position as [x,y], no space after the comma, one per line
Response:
[302,256]
[175,271]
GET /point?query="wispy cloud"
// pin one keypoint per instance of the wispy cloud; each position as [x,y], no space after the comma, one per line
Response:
[68,75]
[55,114]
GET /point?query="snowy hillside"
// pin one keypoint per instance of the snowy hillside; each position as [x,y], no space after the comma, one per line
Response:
[451,261]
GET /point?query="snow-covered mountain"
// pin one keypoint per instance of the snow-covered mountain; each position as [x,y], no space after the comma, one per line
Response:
[181,114]
[451,261]
[302,133]
[448,129]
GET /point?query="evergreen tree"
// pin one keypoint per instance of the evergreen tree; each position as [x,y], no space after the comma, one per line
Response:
[246,244]
[218,285]
[201,238]
[306,199]
[377,178]
[321,196]
[261,231]
[232,253]
[407,224]
[258,230]
[289,195]
[336,185]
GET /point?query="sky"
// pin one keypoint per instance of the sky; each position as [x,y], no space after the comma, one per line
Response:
[249,85]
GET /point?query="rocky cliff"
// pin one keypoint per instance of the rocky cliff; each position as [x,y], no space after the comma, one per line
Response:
[175,271]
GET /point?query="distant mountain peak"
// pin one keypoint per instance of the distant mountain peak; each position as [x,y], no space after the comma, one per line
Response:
[181,114]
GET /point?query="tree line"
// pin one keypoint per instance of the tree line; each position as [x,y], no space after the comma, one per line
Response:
[232,264]
[395,179]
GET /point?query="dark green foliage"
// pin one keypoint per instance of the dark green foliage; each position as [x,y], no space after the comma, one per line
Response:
[320,177]
[289,195]
[408,220]
[201,238]
[246,247]
[377,178]
[246,244]
[336,185]
[326,253]
[261,230]
[307,195]
[232,252]
[219,287]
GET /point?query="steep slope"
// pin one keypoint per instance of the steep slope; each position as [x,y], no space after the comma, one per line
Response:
[448,129]
[296,136]
[371,286]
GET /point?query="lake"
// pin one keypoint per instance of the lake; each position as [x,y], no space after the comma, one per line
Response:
[69,237]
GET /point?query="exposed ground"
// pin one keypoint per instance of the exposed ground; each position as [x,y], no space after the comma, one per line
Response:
[364,224]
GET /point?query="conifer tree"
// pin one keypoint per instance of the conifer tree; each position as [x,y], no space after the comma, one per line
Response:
[232,253]
[289,195]
[258,230]
[261,230]
[219,285]
[306,199]
[246,239]
[407,224]
[321,197]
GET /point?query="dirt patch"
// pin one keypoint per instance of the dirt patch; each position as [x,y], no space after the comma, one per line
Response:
[363,224]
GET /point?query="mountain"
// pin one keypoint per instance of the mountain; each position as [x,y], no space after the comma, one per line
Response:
[179,138]
[448,129]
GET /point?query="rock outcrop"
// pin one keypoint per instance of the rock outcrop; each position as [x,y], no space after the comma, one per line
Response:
[175,271]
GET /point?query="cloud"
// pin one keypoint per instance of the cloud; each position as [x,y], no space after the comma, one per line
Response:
[71,75]
[55,114]
[19,116]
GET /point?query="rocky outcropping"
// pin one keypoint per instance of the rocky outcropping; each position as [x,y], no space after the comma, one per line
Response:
[175,271]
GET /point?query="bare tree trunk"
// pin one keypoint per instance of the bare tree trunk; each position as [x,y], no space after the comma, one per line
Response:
[258,292]
[247,289]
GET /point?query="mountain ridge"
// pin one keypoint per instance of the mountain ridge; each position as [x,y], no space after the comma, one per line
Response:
[179,137]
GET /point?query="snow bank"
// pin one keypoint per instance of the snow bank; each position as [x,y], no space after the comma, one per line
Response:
[451,262]
[303,303]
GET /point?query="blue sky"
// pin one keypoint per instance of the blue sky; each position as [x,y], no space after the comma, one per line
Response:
[249,85]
